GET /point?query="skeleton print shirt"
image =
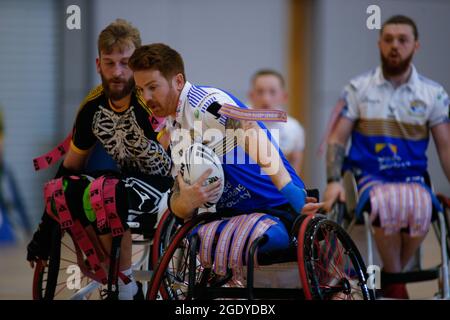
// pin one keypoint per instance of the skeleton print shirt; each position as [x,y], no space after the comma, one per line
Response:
[127,134]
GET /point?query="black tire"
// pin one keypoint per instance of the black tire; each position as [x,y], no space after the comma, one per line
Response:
[333,266]
[50,282]
[174,273]
[46,277]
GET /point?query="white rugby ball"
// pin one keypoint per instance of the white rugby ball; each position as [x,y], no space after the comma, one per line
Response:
[196,160]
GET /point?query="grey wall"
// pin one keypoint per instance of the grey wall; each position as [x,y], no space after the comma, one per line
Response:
[77,63]
[343,47]
[222,42]
[29,58]
[46,70]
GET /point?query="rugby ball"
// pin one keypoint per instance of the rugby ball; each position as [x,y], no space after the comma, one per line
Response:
[196,160]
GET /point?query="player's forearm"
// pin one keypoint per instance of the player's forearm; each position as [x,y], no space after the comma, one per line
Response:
[441,136]
[335,160]
[75,162]
[264,153]
[444,157]
[177,205]
[269,159]
[180,209]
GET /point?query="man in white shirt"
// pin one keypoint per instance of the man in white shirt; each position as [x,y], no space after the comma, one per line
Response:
[389,113]
[268,92]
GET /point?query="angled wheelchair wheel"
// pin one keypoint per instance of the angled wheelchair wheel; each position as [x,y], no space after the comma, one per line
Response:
[68,275]
[63,277]
[178,269]
[445,202]
[330,265]
[161,241]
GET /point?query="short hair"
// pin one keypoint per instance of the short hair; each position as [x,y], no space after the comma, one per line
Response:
[157,56]
[119,34]
[400,19]
[268,72]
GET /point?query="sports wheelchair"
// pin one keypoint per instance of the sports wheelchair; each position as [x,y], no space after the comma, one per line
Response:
[324,258]
[58,279]
[345,215]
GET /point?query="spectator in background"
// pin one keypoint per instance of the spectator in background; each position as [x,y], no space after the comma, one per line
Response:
[268,92]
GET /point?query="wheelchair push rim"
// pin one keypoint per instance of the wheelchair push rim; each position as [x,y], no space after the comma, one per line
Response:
[58,280]
[330,265]
[171,274]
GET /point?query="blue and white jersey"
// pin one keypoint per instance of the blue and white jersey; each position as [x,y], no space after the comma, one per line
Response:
[392,125]
[247,186]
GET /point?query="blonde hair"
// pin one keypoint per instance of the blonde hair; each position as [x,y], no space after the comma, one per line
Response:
[119,34]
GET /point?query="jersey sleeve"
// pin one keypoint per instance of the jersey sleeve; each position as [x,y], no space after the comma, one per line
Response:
[440,110]
[350,109]
[212,118]
[219,131]
[299,133]
[83,138]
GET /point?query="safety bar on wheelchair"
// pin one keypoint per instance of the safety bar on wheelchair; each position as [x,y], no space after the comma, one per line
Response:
[192,265]
[250,264]
[422,275]
[339,212]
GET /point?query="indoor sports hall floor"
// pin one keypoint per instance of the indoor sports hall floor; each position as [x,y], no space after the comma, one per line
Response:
[16,275]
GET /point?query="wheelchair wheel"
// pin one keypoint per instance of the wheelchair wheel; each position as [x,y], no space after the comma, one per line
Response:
[59,279]
[445,202]
[174,275]
[330,265]
[161,240]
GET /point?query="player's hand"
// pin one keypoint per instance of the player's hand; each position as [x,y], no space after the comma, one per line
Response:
[311,206]
[37,251]
[195,195]
[333,192]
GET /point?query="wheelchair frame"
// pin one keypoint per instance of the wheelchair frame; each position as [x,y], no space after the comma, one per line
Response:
[141,268]
[304,226]
[344,214]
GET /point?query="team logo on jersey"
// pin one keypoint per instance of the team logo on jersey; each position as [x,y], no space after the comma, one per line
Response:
[388,158]
[380,147]
[417,108]
[370,100]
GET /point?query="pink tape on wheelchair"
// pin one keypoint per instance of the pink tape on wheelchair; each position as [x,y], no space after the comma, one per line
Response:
[207,233]
[54,190]
[96,197]
[77,232]
[237,235]
[239,240]
[223,245]
[48,159]
[103,201]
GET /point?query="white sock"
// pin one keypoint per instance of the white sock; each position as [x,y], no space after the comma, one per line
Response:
[127,291]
